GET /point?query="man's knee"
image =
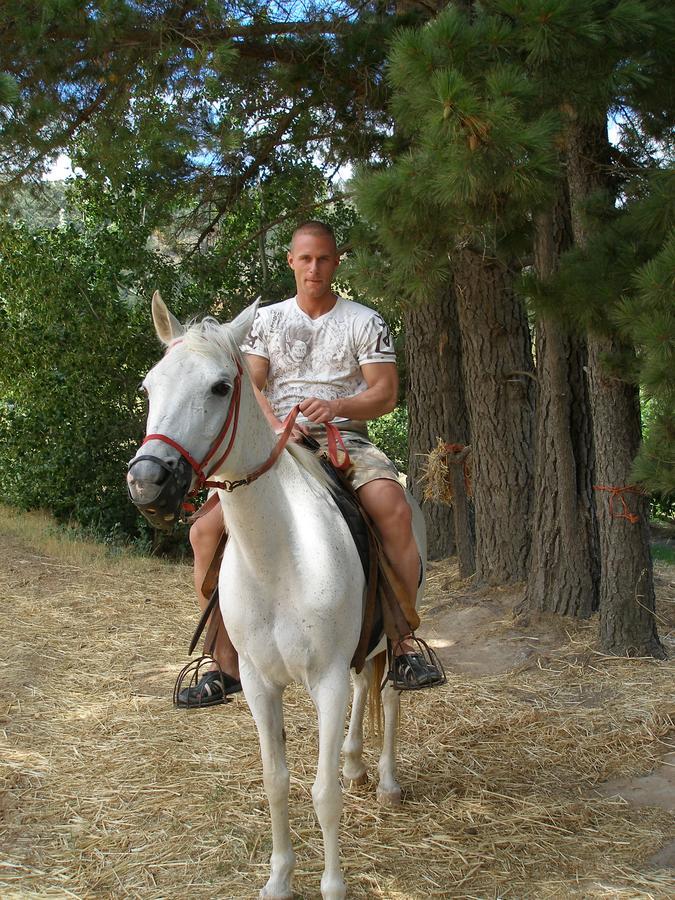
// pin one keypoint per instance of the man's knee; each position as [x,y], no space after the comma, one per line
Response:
[205,532]
[385,502]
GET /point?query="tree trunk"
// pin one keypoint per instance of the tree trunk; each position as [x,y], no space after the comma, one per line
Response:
[436,406]
[462,513]
[627,600]
[563,576]
[499,384]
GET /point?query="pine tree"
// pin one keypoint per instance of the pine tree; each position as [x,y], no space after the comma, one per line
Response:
[473,161]
[563,576]
[602,50]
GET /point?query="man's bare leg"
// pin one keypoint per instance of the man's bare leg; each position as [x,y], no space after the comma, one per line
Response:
[384,501]
[204,537]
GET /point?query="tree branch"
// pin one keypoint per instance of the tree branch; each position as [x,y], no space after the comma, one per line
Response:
[239,183]
[303,208]
[57,142]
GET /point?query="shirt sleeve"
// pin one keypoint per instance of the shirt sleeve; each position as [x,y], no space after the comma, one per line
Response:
[374,343]
[256,344]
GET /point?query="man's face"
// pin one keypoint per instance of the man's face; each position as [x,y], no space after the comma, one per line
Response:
[314,260]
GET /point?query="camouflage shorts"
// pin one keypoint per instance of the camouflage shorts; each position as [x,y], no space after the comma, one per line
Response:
[369,462]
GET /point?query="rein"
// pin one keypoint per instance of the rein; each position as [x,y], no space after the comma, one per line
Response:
[232,419]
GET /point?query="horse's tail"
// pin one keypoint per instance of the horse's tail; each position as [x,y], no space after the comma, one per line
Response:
[374,691]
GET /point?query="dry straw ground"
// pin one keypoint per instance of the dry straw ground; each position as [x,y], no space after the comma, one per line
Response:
[107,791]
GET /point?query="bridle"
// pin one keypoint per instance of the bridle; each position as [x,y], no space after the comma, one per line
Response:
[200,468]
[207,465]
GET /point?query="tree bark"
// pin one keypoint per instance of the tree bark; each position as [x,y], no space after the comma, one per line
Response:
[462,513]
[627,599]
[436,404]
[499,384]
[564,575]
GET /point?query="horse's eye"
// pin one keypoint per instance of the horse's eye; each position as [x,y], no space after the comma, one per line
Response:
[142,389]
[221,388]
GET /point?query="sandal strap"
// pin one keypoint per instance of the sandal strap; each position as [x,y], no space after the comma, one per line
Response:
[413,668]
[217,679]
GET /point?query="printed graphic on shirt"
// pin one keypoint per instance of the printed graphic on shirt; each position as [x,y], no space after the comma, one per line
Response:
[317,357]
[385,343]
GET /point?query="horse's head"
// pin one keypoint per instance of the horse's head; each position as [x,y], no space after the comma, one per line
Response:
[193,395]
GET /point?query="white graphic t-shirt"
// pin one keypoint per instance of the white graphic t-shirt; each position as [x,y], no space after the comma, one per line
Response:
[317,357]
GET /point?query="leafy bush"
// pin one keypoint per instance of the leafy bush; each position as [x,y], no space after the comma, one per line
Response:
[78,340]
[390,433]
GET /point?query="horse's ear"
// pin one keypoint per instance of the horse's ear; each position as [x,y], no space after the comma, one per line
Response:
[167,326]
[241,324]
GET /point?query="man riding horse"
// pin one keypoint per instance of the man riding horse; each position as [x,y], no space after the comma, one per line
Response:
[335,358]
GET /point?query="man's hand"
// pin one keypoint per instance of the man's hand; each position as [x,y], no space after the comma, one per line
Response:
[318,411]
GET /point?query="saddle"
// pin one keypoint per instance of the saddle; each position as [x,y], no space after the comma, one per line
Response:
[386,608]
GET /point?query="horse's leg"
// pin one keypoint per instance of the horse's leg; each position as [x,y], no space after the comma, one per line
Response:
[354,770]
[388,789]
[264,701]
[330,696]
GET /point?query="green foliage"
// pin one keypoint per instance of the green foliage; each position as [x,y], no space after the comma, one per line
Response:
[40,206]
[79,337]
[664,554]
[9,90]
[649,317]
[75,311]
[390,433]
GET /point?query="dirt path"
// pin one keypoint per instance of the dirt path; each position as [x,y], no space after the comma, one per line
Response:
[513,774]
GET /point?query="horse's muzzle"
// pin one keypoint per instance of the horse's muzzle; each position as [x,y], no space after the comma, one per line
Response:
[158,487]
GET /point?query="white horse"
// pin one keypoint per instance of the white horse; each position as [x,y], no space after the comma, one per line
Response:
[291,582]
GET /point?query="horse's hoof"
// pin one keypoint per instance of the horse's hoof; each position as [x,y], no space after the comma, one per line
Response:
[389,798]
[276,891]
[359,781]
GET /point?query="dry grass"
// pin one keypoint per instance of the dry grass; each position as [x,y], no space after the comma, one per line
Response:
[107,791]
[435,474]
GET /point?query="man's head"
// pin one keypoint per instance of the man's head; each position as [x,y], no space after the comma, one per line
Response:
[314,258]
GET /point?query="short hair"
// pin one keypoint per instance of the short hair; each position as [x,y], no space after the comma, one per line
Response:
[319,229]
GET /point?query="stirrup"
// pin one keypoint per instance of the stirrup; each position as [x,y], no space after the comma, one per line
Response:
[415,668]
[190,676]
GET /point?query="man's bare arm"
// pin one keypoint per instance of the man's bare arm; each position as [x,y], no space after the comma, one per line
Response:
[380,397]
[258,367]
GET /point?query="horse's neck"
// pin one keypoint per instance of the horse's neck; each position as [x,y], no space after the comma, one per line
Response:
[254,439]
[250,509]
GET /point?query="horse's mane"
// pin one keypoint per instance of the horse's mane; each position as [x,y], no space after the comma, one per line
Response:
[214,340]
